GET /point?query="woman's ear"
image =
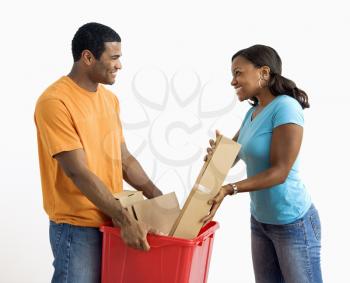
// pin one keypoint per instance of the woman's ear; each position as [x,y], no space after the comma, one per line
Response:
[265,73]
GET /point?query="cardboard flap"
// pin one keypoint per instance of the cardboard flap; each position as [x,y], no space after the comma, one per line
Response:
[127,198]
[160,212]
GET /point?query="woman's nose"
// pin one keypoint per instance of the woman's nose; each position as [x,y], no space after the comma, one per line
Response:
[233,82]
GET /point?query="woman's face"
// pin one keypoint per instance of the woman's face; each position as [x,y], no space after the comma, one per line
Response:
[245,78]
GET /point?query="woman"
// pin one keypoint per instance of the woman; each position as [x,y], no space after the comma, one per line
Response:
[285,226]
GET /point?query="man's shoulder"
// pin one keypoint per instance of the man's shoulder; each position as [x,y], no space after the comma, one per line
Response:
[54,91]
[109,94]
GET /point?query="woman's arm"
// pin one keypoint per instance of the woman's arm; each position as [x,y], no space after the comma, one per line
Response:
[285,146]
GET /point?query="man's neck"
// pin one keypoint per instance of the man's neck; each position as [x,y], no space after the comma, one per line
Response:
[81,79]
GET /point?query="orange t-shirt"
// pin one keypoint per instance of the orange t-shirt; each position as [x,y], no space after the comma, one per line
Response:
[68,117]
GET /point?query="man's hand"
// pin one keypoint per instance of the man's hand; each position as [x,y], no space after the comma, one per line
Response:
[134,233]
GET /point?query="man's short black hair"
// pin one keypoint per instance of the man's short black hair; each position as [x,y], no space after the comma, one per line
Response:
[92,37]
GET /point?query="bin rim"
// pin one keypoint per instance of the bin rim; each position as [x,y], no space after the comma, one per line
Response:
[157,241]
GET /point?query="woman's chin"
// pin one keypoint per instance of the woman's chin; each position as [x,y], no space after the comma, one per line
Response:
[241,97]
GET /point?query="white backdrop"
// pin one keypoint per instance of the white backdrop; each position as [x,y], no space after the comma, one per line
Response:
[174,91]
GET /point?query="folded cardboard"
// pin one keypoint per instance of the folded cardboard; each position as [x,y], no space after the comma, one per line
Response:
[126,198]
[163,213]
[159,212]
[207,185]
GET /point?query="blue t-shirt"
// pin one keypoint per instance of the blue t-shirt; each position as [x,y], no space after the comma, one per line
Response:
[286,202]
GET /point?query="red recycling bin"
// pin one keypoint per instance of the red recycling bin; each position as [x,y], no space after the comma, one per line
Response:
[170,259]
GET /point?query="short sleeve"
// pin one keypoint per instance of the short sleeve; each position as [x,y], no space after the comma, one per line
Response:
[288,111]
[55,127]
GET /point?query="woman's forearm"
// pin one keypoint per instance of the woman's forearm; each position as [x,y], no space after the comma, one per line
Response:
[266,179]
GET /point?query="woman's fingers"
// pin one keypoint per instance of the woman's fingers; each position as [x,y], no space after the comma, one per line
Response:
[210,152]
[212,143]
[211,215]
[207,221]
[212,212]
[215,202]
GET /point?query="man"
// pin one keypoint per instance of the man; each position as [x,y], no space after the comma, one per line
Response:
[84,159]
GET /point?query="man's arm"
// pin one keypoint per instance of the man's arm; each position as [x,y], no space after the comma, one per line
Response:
[135,176]
[75,167]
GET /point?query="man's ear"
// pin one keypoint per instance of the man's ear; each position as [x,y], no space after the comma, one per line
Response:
[87,57]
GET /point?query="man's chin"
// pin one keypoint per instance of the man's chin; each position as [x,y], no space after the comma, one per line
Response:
[108,82]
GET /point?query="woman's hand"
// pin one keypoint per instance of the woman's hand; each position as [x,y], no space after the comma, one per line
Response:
[216,202]
[212,146]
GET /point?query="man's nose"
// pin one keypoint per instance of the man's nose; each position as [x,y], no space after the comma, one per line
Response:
[118,65]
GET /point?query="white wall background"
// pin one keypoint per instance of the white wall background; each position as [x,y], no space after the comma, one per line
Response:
[160,39]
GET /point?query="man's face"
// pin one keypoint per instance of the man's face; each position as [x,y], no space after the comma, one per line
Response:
[105,69]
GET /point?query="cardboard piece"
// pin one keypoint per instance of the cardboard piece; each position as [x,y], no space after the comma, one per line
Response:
[127,198]
[160,212]
[207,185]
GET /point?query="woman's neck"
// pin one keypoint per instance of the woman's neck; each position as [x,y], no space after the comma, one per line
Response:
[265,97]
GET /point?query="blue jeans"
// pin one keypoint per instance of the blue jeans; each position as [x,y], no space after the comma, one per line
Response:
[287,253]
[77,253]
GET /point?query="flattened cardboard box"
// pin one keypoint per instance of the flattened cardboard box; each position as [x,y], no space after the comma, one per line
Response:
[128,198]
[160,212]
[207,185]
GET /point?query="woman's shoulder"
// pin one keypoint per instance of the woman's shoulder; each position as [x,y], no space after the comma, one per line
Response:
[286,101]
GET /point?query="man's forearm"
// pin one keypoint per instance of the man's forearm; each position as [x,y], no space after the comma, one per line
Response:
[135,176]
[96,191]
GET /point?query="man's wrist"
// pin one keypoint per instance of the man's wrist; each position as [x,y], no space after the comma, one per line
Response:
[153,192]
[122,217]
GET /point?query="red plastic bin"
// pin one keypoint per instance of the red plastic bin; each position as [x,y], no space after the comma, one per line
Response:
[170,259]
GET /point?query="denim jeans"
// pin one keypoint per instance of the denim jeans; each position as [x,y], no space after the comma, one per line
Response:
[287,253]
[77,253]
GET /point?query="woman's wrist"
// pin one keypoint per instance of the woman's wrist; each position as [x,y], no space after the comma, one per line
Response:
[231,189]
[227,189]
